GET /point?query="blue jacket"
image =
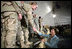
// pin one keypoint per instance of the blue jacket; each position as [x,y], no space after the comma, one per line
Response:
[53,42]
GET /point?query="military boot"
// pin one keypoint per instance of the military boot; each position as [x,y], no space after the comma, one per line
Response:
[28,43]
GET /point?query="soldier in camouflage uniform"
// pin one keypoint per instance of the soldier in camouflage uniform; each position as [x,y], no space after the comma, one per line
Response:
[28,8]
[40,23]
[27,18]
[10,24]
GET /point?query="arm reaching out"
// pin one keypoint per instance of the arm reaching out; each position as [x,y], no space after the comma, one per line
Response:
[39,33]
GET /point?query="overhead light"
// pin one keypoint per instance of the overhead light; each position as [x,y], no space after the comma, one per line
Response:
[48,9]
[54,15]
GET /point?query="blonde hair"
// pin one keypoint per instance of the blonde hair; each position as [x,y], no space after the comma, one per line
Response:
[46,26]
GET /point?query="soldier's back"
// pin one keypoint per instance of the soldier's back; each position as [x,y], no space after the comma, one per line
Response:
[26,6]
[6,6]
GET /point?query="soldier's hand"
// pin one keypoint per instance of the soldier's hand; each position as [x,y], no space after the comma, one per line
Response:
[34,29]
[20,16]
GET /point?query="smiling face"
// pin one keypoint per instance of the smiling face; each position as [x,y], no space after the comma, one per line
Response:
[34,15]
[52,32]
[34,7]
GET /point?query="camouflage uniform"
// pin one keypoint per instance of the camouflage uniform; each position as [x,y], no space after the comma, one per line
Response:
[28,10]
[10,24]
[27,16]
[40,24]
[36,23]
[23,26]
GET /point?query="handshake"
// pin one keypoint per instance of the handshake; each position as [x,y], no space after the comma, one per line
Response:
[35,30]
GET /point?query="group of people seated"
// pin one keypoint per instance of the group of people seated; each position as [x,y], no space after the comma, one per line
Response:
[62,29]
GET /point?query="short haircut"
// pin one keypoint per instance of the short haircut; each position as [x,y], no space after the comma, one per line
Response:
[53,28]
[39,17]
[31,3]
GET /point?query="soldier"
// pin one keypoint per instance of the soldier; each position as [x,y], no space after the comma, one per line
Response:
[10,24]
[36,21]
[12,15]
[28,9]
[46,29]
[28,18]
[23,26]
[40,23]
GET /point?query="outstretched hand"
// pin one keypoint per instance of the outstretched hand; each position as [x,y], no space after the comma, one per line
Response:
[34,29]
